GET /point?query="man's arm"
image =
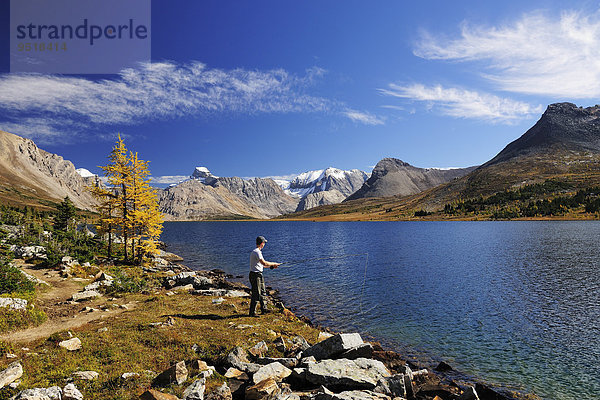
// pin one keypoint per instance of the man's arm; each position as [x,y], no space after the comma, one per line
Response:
[269,263]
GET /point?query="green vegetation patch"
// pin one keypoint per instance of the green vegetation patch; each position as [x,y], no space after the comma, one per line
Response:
[13,281]
[14,284]
[550,198]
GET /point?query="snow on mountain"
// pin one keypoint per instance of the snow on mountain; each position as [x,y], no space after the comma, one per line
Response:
[346,182]
[84,173]
[201,173]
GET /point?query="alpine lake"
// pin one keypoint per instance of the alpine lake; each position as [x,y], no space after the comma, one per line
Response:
[515,304]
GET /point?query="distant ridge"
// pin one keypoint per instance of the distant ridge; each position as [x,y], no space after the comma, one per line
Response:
[563,145]
[393,177]
[205,196]
[32,176]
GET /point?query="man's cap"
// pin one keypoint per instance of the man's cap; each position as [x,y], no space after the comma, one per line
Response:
[260,239]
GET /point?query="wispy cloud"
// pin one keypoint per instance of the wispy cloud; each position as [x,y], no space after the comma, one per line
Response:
[464,103]
[168,179]
[536,54]
[392,107]
[363,117]
[287,177]
[54,105]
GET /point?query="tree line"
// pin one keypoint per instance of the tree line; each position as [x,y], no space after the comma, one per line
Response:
[550,198]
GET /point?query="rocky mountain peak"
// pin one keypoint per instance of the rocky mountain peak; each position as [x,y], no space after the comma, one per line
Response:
[345,182]
[32,172]
[394,177]
[201,173]
[562,127]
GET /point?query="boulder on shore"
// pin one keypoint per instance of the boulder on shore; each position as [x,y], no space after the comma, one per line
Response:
[70,392]
[85,295]
[275,371]
[29,252]
[195,391]
[361,373]
[223,392]
[333,346]
[152,394]
[266,389]
[238,358]
[352,395]
[51,393]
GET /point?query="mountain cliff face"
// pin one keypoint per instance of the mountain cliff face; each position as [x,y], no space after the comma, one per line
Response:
[312,200]
[345,182]
[28,174]
[308,185]
[263,193]
[205,196]
[562,127]
[193,200]
[393,177]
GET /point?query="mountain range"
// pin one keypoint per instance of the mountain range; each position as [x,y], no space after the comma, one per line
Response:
[563,144]
[206,196]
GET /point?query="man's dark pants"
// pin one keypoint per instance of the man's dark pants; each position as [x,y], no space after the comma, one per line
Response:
[258,292]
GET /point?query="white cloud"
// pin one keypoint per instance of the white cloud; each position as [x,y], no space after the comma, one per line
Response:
[168,179]
[363,117]
[287,177]
[56,105]
[464,103]
[392,107]
[536,54]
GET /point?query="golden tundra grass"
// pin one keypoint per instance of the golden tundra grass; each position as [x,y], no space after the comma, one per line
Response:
[131,344]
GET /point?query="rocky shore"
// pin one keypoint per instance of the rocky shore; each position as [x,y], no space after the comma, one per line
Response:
[282,365]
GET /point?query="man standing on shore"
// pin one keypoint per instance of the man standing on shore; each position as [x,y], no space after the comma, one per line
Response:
[257,262]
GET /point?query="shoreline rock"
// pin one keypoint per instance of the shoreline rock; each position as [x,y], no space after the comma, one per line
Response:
[443,381]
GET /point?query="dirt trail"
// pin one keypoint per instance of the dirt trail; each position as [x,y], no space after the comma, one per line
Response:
[54,301]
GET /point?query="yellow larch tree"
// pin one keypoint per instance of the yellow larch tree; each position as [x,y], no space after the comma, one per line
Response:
[145,218]
[129,206]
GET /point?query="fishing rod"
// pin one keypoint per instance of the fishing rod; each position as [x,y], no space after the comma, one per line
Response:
[289,264]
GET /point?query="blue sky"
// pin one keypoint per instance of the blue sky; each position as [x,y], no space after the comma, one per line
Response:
[272,88]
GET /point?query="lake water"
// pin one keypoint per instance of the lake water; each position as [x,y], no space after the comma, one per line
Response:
[514,303]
